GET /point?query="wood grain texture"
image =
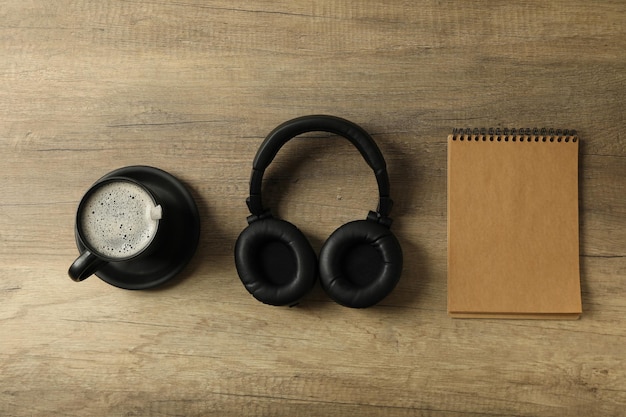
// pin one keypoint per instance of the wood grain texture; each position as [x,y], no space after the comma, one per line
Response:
[192,87]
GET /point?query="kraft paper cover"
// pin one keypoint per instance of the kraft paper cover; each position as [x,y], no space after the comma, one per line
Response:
[513,227]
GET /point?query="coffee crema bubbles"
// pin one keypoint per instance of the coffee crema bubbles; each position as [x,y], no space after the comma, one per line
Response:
[119,219]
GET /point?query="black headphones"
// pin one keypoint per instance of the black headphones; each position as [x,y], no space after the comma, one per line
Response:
[359,264]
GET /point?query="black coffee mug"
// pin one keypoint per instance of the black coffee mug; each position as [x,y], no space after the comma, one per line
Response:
[141,239]
[117,220]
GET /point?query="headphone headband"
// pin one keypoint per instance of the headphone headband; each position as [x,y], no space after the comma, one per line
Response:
[319,123]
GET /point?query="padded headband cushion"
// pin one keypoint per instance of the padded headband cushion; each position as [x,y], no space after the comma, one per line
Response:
[275,262]
[319,123]
[342,127]
[360,264]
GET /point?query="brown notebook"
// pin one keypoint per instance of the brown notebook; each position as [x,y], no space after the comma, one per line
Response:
[513,225]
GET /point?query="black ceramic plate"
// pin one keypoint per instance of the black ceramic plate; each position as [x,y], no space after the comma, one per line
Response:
[181,233]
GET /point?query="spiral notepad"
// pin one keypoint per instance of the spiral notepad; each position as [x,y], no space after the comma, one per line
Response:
[513,224]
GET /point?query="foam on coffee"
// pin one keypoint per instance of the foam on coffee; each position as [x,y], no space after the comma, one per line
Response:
[119,219]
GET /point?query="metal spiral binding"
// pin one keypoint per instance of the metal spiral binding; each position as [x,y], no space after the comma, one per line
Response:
[523,134]
[513,132]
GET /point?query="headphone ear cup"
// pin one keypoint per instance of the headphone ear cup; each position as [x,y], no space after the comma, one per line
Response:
[360,263]
[275,262]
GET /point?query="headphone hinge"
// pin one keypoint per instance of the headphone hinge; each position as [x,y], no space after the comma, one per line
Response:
[254,217]
[254,204]
[385,205]
[375,216]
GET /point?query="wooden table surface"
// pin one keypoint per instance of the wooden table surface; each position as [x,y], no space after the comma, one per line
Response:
[193,87]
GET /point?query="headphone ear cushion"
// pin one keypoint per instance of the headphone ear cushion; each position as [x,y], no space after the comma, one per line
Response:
[275,262]
[360,263]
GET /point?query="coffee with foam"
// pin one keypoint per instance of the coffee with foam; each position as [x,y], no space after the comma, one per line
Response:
[119,219]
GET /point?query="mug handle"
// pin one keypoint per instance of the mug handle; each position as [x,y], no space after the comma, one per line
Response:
[85,265]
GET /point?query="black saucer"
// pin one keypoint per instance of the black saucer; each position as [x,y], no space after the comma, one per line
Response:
[181,233]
